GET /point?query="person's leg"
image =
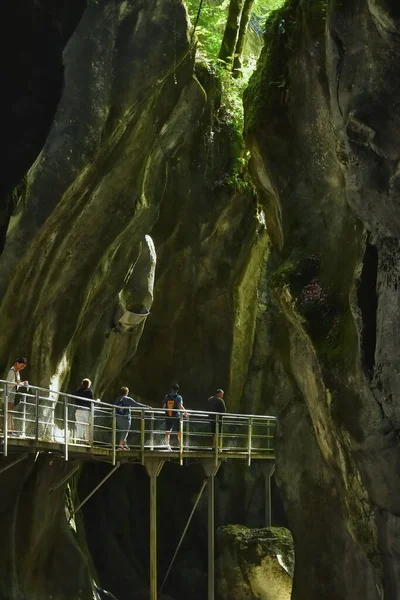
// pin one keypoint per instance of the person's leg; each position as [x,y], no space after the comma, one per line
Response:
[10,422]
[213,427]
[85,426]
[168,427]
[78,433]
[175,428]
[121,430]
[127,430]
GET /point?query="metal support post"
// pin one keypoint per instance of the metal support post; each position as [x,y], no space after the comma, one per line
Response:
[153,468]
[64,479]
[24,416]
[5,425]
[66,428]
[98,486]
[269,470]
[211,469]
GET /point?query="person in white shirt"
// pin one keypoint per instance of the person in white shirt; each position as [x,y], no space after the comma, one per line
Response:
[14,379]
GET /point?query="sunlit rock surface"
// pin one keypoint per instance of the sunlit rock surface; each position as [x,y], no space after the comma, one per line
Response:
[254,563]
[130,207]
[133,252]
[323,124]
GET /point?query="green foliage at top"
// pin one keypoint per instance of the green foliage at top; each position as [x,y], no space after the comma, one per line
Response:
[209,32]
[211,24]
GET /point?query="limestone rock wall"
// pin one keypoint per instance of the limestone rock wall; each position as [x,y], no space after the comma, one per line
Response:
[322,121]
[39,548]
[254,563]
[128,209]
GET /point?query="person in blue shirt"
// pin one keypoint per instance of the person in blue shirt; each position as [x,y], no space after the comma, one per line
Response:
[172,403]
[124,404]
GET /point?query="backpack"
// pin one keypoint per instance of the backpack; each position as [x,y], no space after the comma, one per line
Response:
[170,404]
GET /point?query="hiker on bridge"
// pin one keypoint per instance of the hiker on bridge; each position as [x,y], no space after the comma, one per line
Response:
[124,404]
[215,404]
[83,410]
[173,403]
[14,378]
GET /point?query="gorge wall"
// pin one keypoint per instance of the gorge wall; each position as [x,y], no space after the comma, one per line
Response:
[286,297]
[322,122]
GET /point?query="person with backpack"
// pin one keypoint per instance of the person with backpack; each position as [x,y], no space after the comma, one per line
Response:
[124,404]
[172,403]
[14,380]
[215,404]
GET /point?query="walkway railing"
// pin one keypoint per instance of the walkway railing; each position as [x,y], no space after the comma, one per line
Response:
[45,415]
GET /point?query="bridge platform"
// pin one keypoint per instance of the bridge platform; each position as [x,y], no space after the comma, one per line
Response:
[50,421]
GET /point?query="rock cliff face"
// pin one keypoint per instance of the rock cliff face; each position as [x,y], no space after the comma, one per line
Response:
[291,305]
[323,118]
[135,203]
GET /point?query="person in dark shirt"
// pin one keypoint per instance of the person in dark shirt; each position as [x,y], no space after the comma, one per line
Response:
[172,403]
[215,404]
[124,404]
[82,410]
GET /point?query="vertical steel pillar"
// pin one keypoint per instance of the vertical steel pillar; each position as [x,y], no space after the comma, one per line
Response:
[211,469]
[153,467]
[269,469]
[211,541]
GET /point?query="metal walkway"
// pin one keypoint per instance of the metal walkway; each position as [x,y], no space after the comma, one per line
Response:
[43,420]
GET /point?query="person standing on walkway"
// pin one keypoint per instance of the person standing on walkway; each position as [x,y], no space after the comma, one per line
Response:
[124,404]
[173,402]
[14,380]
[215,404]
[82,411]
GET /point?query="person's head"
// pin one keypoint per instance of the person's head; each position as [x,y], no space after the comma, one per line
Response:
[20,363]
[86,383]
[175,387]
[220,393]
[124,391]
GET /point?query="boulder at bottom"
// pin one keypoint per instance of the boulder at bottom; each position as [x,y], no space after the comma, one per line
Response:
[254,563]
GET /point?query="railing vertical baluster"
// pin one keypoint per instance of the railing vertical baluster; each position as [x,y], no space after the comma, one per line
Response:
[37,400]
[187,433]
[91,424]
[142,433]
[181,438]
[5,407]
[24,417]
[216,439]
[114,435]
[250,429]
[152,431]
[65,427]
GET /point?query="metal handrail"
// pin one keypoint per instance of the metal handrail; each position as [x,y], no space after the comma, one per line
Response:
[95,426]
